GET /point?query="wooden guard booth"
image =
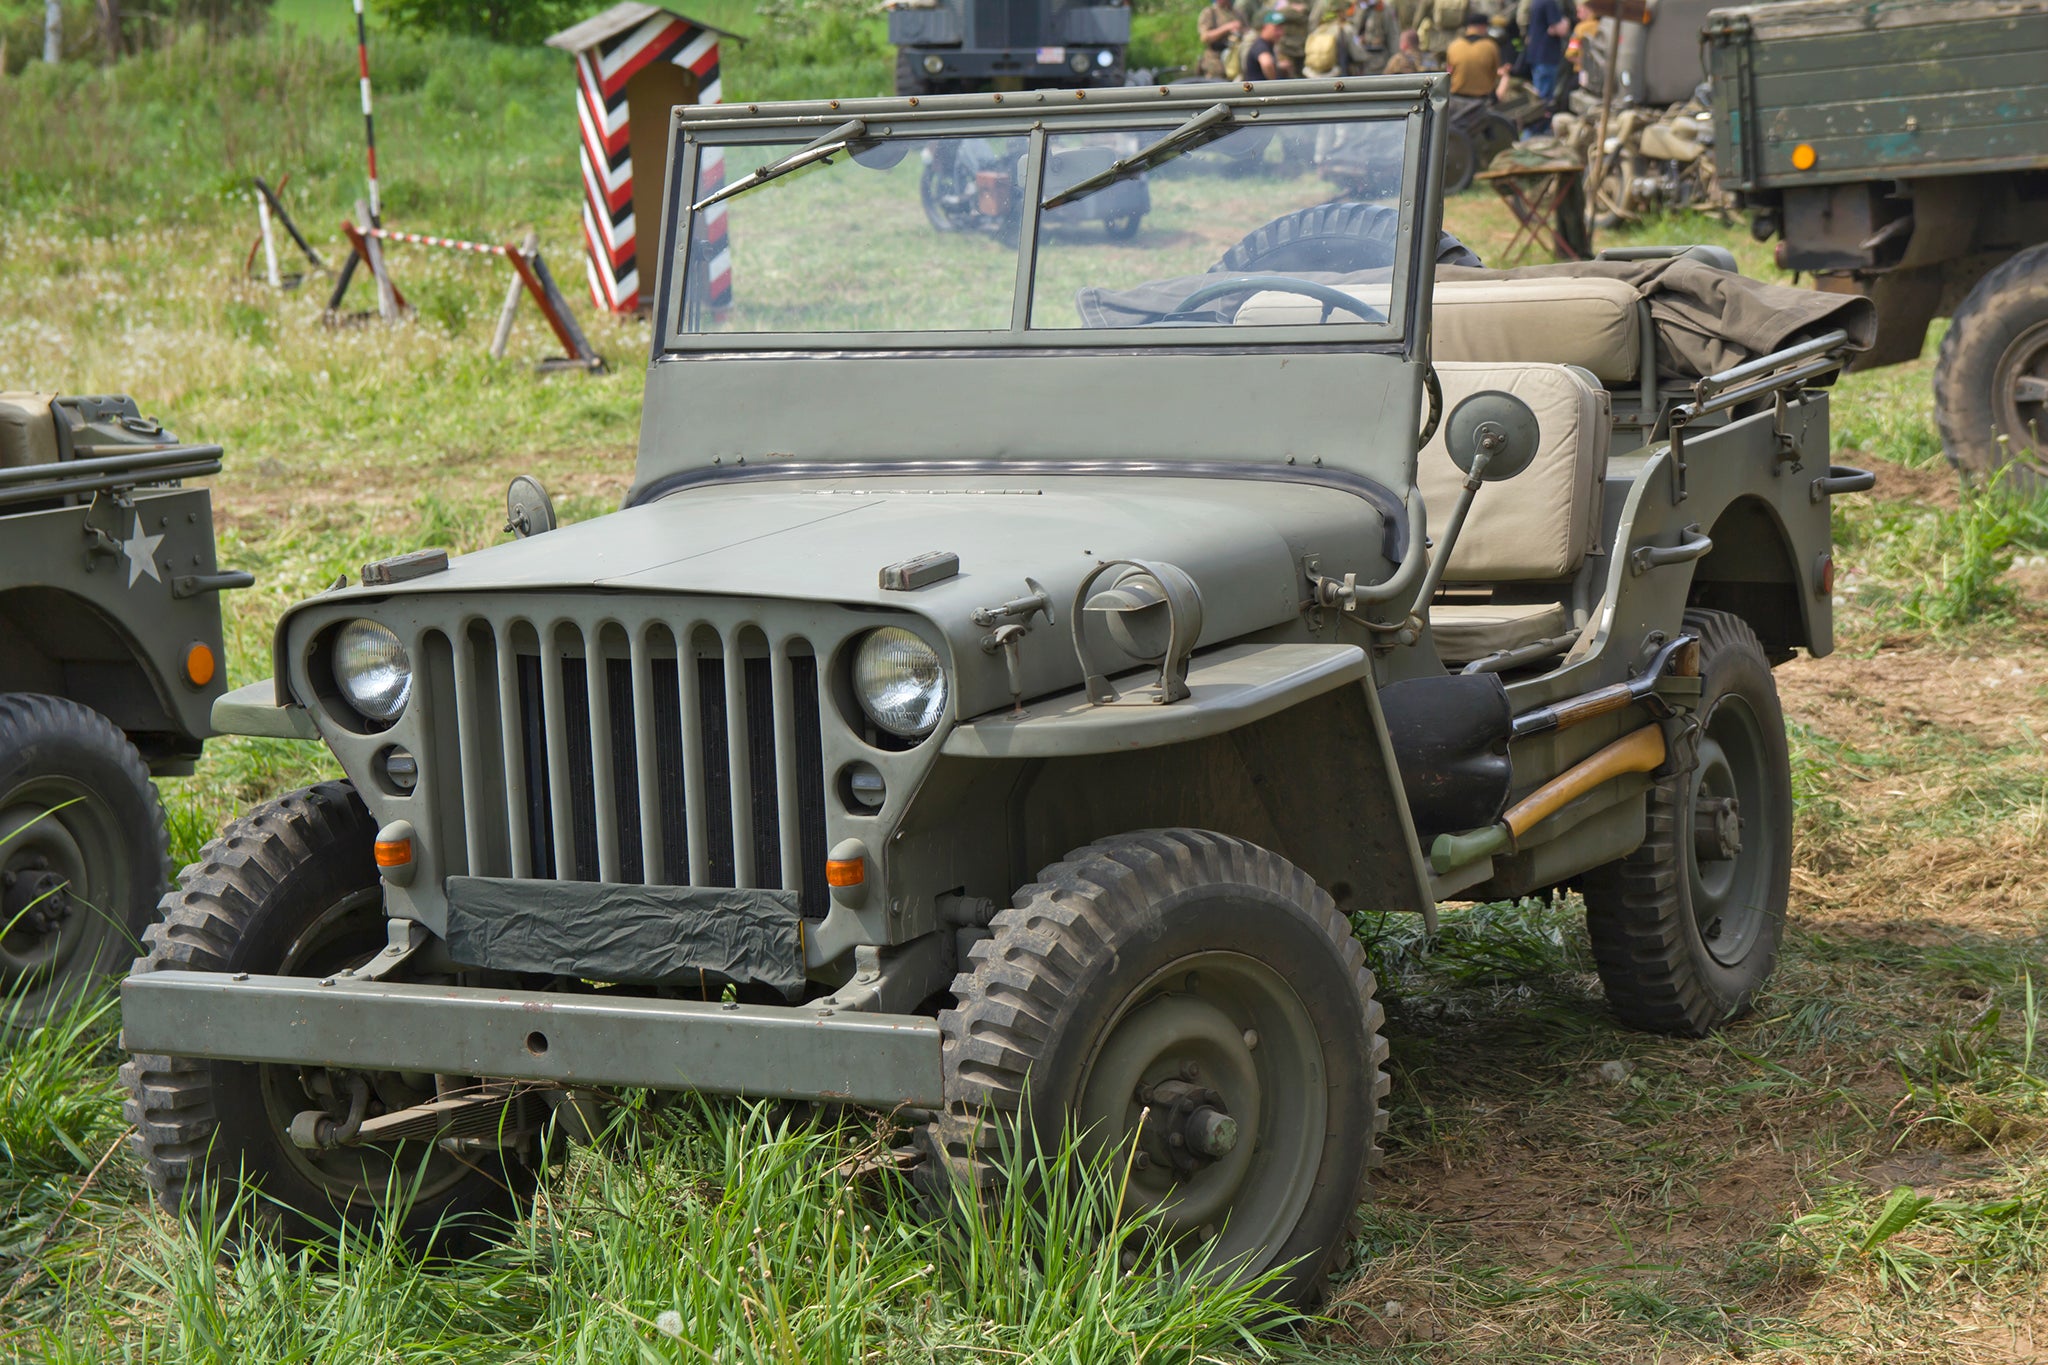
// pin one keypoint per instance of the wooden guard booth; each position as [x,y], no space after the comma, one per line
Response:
[634,63]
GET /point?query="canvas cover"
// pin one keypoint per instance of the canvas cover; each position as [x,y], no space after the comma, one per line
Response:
[612,931]
[1709,320]
[1706,319]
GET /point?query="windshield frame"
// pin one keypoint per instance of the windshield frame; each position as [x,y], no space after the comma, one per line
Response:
[1414,102]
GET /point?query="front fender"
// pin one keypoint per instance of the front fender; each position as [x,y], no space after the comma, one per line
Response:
[1229,689]
[1283,745]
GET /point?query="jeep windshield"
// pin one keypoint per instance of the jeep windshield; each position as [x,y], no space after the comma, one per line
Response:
[939,228]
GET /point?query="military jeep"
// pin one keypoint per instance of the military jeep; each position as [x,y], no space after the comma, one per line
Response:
[110,661]
[1016,669]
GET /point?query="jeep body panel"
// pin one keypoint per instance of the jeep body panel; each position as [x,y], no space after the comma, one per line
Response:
[108,580]
[666,697]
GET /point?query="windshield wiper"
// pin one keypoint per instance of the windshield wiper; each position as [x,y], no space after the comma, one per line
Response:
[838,140]
[1206,126]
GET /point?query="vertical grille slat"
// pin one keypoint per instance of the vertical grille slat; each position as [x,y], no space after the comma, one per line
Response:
[739,768]
[512,751]
[717,803]
[764,808]
[561,776]
[691,726]
[810,783]
[647,764]
[470,745]
[788,851]
[603,772]
[658,752]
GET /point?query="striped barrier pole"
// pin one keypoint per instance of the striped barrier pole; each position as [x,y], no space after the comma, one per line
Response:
[369,122]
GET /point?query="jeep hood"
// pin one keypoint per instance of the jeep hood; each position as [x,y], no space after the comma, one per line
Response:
[1242,539]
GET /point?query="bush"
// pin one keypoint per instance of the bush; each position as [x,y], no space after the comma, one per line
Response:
[501,21]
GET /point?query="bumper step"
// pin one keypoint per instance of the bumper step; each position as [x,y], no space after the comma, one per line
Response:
[760,1051]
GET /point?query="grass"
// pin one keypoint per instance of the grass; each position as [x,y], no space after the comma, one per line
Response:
[1557,1188]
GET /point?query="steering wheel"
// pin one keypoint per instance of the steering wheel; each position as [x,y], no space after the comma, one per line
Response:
[1286,284]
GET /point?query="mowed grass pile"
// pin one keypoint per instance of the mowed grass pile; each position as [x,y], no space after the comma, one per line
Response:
[1856,1173]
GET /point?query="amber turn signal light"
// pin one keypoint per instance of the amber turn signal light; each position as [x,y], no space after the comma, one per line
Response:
[1804,157]
[846,871]
[199,665]
[392,852]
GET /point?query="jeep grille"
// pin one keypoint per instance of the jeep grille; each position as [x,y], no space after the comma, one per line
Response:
[688,757]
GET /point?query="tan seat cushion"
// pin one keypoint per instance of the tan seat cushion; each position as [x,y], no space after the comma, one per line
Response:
[1539,524]
[28,434]
[1592,323]
[1464,633]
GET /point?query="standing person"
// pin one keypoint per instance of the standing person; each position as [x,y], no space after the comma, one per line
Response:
[1376,34]
[1262,60]
[1219,27]
[1474,61]
[1333,47]
[1293,34]
[1407,58]
[1546,34]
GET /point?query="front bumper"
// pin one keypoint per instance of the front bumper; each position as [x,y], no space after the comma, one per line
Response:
[763,1052]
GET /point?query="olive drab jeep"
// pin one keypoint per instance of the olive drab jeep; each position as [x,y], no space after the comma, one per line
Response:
[1015,668]
[110,661]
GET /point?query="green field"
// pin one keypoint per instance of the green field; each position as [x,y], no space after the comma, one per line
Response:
[1860,1172]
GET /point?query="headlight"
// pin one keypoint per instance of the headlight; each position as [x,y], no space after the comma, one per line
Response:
[900,681]
[372,670]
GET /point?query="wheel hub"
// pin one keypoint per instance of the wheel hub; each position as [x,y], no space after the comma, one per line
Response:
[2023,392]
[1186,1126]
[34,899]
[1716,828]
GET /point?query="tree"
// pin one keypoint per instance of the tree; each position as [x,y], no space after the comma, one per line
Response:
[502,21]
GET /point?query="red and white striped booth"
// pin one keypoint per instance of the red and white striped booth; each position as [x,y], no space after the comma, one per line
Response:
[633,64]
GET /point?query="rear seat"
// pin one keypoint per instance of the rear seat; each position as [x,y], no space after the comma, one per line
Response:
[1595,324]
[1526,537]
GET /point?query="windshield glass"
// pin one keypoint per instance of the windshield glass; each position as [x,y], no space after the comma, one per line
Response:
[1233,224]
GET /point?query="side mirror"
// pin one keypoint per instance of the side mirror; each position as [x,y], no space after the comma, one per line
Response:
[529,511]
[1491,436]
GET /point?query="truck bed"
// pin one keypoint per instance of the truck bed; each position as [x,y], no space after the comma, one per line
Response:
[1872,87]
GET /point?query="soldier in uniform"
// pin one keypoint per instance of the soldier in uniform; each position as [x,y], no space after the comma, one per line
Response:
[1334,47]
[1293,33]
[1218,28]
[1377,34]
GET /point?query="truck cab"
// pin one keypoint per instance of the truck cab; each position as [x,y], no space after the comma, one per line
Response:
[952,46]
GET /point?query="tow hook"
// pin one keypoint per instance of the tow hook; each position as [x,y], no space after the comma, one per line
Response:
[316,1130]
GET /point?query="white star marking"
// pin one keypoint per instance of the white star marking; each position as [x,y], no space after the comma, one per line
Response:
[141,552]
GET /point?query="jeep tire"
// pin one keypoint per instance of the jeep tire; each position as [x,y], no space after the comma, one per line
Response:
[291,889]
[1337,237]
[1686,929]
[1198,996]
[1991,380]
[83,854]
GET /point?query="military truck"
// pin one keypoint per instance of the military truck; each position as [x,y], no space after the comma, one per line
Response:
[1659,63]
[1899,151]
[985,683]
[110,662]
[954,46]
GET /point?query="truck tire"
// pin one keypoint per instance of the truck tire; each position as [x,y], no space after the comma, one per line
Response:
[291,889]
[1339,238]
[1686,929]
[1991,380]
[1204,982]
[83,854]
[910,77]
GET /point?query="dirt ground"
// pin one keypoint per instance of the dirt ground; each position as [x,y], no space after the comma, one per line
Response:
[1557,1186]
